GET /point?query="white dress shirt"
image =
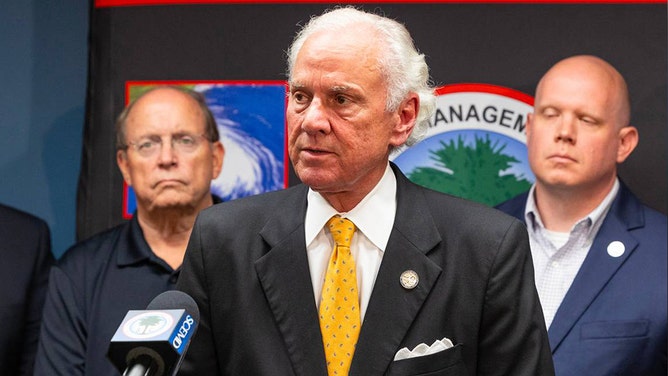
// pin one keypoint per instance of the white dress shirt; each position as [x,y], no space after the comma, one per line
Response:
[558,256]
[373,217]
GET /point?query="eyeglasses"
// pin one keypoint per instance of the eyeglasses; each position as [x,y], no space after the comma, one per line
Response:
[183,143]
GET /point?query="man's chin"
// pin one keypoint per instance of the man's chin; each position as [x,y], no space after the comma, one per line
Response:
[561,184]
[560,177]
[172,202]
[317,179]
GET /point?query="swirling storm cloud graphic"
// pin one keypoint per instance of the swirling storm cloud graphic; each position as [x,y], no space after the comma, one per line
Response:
[251,124]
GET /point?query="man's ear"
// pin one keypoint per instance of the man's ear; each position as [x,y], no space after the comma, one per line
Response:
[122,162]
[628,140]
[407,116]
[218,155]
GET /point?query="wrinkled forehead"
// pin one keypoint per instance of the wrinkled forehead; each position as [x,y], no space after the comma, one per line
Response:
[332,53]
[165,111]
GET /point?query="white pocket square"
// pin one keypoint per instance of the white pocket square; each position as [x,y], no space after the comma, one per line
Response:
[422,349]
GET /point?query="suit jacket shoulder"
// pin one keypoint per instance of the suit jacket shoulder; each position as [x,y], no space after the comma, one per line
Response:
[613,317]
[515,206]
[25,245]
[247,268]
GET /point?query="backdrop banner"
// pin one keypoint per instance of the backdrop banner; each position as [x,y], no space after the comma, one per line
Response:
[486,58]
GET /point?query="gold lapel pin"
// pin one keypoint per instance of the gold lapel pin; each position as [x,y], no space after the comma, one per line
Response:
[409,279]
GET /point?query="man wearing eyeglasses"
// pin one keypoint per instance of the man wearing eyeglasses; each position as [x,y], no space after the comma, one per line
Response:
[168,152]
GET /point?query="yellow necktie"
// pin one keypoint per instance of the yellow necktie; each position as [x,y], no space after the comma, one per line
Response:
[339,306]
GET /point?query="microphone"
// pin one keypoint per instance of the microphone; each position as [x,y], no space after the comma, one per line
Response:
[152,342]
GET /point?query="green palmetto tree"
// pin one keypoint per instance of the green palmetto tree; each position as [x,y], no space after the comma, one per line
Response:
[149,321]
[472,171]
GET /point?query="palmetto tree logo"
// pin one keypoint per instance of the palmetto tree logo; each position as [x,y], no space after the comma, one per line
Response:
[148,324]
[475,147]
[473,172]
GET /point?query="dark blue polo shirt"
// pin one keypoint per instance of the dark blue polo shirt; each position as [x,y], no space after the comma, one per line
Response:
[90,290]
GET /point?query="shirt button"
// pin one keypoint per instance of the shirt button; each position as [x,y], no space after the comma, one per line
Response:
[173,279]
[555,264]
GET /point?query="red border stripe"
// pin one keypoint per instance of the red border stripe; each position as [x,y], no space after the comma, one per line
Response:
[485,88]
[118,3]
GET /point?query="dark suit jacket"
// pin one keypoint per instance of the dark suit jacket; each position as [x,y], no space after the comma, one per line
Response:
[612,321]
[25,248]
[246,267]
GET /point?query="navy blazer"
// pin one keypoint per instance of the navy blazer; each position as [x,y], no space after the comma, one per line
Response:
[612,320]
[246,267]
[25,248]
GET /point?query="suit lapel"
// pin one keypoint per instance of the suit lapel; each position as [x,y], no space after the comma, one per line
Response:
[598,268]
[393,308]
[284,275]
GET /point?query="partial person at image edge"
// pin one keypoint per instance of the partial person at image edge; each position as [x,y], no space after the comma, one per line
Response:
[600,255]
[25,242]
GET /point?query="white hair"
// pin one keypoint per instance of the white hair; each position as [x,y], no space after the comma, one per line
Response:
[404,68]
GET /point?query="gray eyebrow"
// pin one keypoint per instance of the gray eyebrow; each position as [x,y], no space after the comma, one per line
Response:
[339,89]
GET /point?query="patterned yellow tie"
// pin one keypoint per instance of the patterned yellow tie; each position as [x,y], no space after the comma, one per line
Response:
[339,307]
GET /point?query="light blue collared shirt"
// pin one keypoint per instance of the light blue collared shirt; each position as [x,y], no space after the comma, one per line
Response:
[557,257]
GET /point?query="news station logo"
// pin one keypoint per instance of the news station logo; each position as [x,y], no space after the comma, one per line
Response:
[148,325]
[182,335]
[475,146]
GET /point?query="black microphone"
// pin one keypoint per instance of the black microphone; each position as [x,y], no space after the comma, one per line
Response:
[152,342]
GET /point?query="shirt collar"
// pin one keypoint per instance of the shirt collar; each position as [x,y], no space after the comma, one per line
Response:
[595,217]
[373,216]
[531,215]
[136,250]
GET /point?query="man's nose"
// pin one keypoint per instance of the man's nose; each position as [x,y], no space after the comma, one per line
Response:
[566,130]
[167,153]
[315,118]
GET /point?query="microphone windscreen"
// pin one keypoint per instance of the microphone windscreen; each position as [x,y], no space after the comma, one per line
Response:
[155,339]
[174,299]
